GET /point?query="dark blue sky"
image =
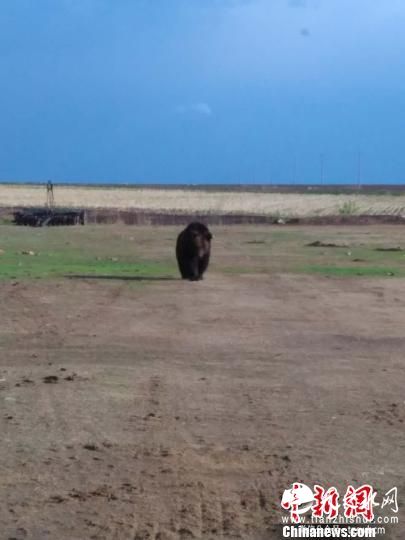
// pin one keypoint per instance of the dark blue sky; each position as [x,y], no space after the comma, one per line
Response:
[202,90]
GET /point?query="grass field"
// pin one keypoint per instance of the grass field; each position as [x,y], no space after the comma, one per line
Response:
[149,252]
[224,202]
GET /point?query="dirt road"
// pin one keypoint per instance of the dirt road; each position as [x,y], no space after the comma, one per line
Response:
[182,410]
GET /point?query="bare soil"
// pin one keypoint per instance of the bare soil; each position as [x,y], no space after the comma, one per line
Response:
[172,410]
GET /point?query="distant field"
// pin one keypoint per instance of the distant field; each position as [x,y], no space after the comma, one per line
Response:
[289,204]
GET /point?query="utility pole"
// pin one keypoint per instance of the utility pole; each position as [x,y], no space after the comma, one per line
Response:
[322,159]
[359,171]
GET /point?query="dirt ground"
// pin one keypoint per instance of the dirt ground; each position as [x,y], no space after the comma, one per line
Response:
[171,410]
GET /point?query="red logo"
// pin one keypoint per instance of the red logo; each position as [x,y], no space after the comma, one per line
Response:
[326,502]
[360,502]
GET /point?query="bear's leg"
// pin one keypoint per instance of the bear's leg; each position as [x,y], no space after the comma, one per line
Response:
[188,269]
[203,264]
[194,274]
[183,269]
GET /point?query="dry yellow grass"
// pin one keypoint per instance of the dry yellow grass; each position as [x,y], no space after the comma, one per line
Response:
[189,201]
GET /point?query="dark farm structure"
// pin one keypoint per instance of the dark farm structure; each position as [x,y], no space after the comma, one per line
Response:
[43,217]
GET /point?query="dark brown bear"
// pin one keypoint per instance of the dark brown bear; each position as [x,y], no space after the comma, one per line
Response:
[193,249]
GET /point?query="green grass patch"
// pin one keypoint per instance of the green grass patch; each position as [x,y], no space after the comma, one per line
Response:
[119,251]
[47,265]
[65,251]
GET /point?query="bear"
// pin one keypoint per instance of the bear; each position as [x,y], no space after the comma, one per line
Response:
[193,249]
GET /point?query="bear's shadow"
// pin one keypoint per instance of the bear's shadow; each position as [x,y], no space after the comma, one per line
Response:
[122,278]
